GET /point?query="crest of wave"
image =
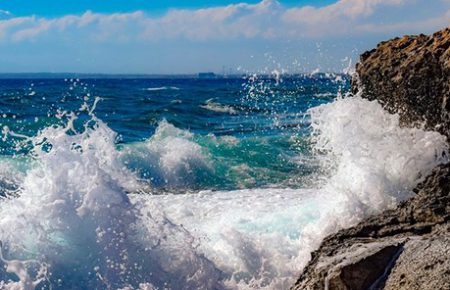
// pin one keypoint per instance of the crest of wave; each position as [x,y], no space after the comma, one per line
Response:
[73,225]
[261,238]
[170,157]
[370,163]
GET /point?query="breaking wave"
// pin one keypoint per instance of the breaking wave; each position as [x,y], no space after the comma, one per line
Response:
[162,89]
[81,211]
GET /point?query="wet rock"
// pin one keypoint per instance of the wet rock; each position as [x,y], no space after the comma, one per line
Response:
[407,247]
[410,76]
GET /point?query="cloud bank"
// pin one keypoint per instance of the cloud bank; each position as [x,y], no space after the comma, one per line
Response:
[203,36]
[267,19]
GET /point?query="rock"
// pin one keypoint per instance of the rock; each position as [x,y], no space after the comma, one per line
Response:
[407,247]
[410,76]
[424,263]
[371,252]
[357,267]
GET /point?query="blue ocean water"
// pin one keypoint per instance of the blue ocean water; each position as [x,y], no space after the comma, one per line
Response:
[266,116]
[187,183]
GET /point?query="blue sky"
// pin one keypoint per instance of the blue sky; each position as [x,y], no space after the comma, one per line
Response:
[51,8]
[144,36]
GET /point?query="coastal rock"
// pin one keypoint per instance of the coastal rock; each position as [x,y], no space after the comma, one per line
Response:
[410,76]
[424,263]
[407,247]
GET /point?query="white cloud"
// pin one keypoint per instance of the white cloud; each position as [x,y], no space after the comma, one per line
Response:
[429,24]
[265,20]
[232,21]
[336,18]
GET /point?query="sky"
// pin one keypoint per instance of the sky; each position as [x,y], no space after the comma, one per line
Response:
[184,37]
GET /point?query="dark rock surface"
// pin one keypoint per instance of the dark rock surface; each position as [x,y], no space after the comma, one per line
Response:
[410,76]
[407,247]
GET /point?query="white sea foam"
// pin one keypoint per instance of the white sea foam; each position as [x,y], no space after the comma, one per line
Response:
[171,157]
[12,173]
[74,218]
[162,88]
[374,160]
[75,224]
[217,107]
[262,238]
[324,95]
[251,236]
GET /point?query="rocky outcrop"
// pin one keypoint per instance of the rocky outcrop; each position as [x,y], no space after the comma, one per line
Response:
[408,247]
[410,76]
[382,250]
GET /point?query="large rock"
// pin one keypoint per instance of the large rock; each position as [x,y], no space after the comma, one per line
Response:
[408,247]
[410,76]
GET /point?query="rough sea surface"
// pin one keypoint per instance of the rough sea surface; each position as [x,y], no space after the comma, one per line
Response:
[184,183]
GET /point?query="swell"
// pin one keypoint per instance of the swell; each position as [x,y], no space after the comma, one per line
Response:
[77,220]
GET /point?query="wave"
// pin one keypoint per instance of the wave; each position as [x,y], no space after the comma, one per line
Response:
[219,108]
[78,221]
[165,88]
[11,176]
[178,160]
[325,95]
[170,157]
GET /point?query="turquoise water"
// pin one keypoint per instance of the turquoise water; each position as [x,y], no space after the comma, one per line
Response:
[250,132]
[189,183]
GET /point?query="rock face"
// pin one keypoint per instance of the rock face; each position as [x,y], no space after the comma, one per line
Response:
[408,247]
[410,76]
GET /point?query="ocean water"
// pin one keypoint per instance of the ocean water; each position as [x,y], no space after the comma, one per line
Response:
[184,183]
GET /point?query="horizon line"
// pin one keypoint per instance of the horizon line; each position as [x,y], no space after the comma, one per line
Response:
[4,75]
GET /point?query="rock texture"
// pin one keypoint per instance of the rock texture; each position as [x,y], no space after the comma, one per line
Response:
[410,76]
[408,247]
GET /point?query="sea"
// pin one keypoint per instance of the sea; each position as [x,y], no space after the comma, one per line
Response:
[122,182]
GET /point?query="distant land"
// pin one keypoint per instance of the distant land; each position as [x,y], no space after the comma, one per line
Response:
[46,75]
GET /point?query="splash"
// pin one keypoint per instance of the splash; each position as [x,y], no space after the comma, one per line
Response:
[77,221]
[373,160]
[262,238]
[74,215]
[176,160]
[170,157]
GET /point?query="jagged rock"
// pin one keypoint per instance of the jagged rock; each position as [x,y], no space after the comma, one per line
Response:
[424,263]
[410,76]
[407,247]
[413,224]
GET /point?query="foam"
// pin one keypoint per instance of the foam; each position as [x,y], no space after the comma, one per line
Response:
[251,236]
[210,105]
[372,159]
[162,89]
[262,238]
[74,215]
[170,157]
[76,224]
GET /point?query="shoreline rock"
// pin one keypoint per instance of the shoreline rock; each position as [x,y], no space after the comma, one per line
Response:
[410,76]
[407,247]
